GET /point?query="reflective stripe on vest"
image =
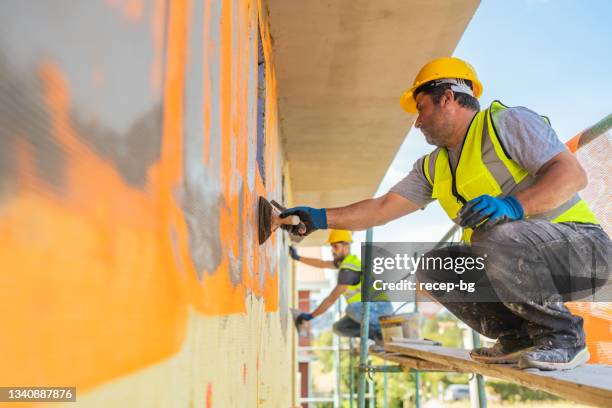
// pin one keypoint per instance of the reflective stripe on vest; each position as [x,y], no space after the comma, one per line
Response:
[485,167]
[353,292]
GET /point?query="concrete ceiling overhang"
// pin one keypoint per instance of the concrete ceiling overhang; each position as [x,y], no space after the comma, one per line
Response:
[341,66]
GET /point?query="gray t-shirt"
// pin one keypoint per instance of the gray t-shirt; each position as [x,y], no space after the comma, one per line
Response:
[528,139]
[348,277]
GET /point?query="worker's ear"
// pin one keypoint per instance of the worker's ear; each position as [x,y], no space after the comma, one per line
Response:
[447,98]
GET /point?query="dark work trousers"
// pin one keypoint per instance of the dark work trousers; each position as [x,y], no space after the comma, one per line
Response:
[531,268]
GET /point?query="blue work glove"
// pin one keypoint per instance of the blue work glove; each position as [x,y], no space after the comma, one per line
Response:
[312,218]
[495,210]
[293,253]
[303,317]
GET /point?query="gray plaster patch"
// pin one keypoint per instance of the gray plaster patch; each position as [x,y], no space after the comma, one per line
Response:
[23,117]
[214,79]
[201,195]
[235,260]
[132,152]
[106,68]
[200,201]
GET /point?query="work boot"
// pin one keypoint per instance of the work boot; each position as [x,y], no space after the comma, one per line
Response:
[500,353]
[551,358]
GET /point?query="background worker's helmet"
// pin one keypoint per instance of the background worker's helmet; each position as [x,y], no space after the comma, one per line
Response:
[445,67]
[339,236]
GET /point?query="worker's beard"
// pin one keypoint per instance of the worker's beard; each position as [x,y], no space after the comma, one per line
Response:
[338,260]
[439,133]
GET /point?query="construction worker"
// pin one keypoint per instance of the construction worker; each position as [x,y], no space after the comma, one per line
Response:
[349,285]
[505,177]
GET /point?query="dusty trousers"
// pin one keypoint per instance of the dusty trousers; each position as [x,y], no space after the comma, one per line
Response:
[531,267]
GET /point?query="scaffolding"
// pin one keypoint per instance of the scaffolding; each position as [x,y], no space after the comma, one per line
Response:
[365,367]
[585,137]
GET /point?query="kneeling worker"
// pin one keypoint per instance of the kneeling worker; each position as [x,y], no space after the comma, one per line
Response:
[504,176]
[349,285]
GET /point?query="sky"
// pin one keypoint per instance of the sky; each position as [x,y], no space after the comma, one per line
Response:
[552,56]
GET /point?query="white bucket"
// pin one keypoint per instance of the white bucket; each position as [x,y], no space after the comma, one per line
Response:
[405,325]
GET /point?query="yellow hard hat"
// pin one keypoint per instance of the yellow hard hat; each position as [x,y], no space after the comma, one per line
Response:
[445,67]
[339,236]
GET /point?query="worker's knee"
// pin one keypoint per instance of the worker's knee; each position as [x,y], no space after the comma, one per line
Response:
[345,327]
[339,328]
[353,311]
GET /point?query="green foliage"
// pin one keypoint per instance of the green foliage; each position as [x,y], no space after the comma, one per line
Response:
[444,329]
[326,357]
[514,393]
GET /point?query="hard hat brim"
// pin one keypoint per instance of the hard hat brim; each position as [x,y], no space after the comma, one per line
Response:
[407,102]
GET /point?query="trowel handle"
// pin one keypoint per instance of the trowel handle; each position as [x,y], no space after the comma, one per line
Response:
[290,220]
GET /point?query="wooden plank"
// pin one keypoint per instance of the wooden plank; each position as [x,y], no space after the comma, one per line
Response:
[588,384]
[410,362]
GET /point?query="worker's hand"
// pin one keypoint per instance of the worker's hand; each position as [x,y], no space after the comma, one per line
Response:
[303,317]
[495,210]
[293,253]
[312,218]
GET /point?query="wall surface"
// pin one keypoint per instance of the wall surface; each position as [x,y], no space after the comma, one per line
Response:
[130,167]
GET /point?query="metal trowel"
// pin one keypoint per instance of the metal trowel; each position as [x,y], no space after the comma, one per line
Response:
[303,328]
[270,220]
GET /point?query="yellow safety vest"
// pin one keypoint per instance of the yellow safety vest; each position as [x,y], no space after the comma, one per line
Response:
[353,292]
[485,167]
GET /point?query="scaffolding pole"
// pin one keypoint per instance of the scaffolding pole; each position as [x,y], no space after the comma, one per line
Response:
[480,384]
[351,374]
[365,319]
[337,344]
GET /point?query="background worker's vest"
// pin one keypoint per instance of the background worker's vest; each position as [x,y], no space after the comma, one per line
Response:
[353,292]
[485,167]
